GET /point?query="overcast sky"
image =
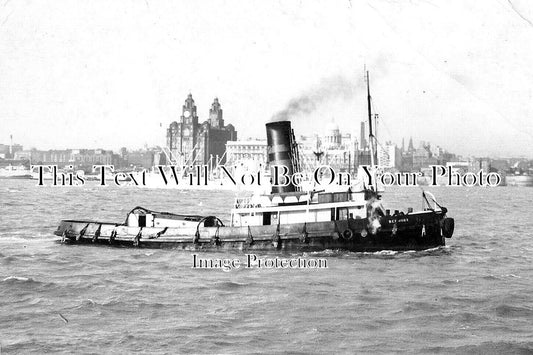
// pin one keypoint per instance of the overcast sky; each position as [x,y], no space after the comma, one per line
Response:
[107,74]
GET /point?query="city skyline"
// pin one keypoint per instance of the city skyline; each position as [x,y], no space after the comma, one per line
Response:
[217,111]
[303,140]
[455,74]
[403,145]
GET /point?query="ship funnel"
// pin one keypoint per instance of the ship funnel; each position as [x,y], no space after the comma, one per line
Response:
[282,151]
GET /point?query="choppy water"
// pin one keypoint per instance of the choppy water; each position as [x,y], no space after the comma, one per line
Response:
[475,295]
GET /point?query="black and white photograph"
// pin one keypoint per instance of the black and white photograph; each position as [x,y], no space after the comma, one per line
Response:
[266,177]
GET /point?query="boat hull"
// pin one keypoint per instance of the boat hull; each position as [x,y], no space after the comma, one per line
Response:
[417,231]
[15,176]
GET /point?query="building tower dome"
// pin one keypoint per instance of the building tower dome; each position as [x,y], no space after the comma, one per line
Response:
[333,136]
[189,102]
[216,114]
[332,127]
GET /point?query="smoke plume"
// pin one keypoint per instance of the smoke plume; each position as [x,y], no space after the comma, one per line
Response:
[337,87]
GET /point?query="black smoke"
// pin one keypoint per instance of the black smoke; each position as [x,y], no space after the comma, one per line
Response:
[337,87]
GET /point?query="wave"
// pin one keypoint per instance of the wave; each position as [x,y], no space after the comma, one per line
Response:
[26,281]
[90,303]
[142,255]
[24,284]
[465,299]
[230,285]
[441,250]
[17,278]
[505,310]
[416,306]
[485,348]
[120,304]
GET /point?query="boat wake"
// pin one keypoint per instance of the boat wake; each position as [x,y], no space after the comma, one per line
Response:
[441,250]
[27,239]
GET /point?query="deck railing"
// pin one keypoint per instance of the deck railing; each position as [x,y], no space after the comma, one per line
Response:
[242,202]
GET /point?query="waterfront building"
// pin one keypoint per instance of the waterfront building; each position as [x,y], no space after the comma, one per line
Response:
[422,157]
[82,158]
[389,156]
[333,137]
[250,153]
[500,165]
[339,159]
[140,159]
[416,159]
[191,142]
[477,164]
[334,148]
[33,155]
[7,151]
[89,157]
[411,147]
[362,142]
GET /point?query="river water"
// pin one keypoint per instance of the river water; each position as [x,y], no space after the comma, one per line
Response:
[472,296]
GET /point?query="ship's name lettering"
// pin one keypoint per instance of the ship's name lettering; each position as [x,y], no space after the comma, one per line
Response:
[400,220]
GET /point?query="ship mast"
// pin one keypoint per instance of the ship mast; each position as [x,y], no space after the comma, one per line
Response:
[370,132]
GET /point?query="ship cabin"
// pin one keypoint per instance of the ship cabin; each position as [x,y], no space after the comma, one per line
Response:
[143,217]
[299,207]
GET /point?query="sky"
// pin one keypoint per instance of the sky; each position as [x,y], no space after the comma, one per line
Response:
[80,74]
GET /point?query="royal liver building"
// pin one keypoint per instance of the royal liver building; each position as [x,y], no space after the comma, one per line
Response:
[194,143]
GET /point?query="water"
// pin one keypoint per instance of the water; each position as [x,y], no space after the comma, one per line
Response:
[474,295]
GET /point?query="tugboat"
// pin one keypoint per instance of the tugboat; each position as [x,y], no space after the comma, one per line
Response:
[286,219]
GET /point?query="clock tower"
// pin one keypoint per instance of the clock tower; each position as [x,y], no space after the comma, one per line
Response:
[215,115]
[182,135]
[193,143]
[188,114]
[189,130]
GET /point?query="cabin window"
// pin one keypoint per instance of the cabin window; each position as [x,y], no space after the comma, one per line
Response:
[142,220]
[210,222]
[266,218]
[342,213]
[333,214]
